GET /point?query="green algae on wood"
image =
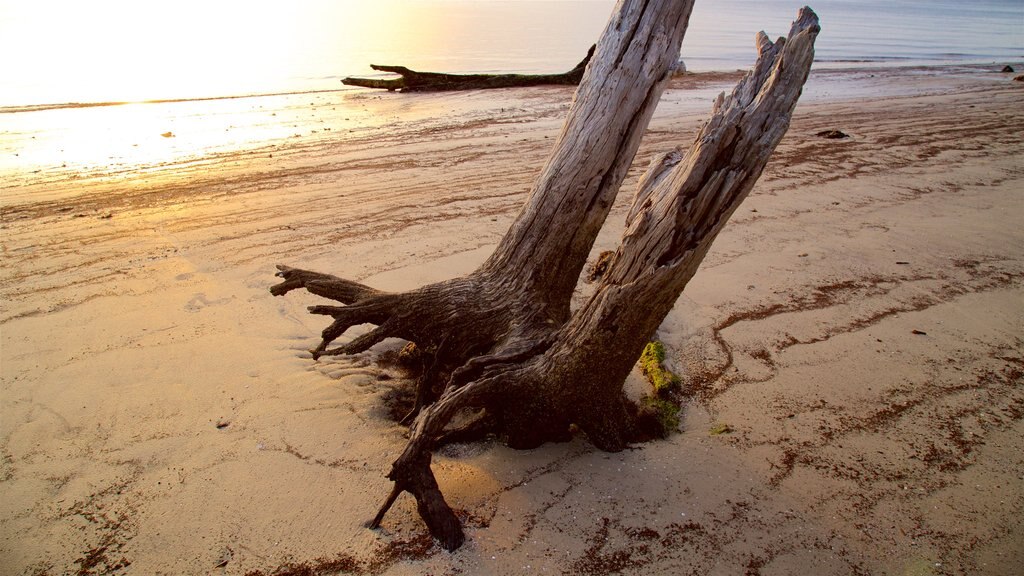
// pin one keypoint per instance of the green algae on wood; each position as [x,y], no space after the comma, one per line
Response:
[651,360]
[666,413]
[662,402]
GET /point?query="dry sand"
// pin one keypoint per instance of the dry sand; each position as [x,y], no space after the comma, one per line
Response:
[859,326]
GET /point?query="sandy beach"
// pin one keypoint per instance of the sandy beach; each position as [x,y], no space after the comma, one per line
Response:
[858,328]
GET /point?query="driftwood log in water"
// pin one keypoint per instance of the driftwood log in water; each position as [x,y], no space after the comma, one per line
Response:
[505,344]
[413,81]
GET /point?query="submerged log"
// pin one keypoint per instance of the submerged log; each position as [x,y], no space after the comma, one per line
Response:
[413,81]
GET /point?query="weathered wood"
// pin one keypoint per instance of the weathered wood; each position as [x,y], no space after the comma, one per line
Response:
[681,204]
[549,241]
[503,337]
[413,81]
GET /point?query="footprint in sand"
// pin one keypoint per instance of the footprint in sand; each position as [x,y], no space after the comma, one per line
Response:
[200,301]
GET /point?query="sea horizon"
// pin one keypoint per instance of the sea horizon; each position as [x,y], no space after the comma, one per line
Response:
[496,36]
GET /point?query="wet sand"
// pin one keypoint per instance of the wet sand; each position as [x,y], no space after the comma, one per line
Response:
[859,326]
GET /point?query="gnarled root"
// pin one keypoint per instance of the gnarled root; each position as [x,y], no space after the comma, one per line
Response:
[527,406]
[364,305]
[411,471]
[456,319]
[486,345]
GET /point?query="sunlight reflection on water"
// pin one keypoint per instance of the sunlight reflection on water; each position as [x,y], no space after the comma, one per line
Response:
[136,136]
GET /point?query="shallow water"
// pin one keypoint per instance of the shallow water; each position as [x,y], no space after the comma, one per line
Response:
[115,51]
[858,32]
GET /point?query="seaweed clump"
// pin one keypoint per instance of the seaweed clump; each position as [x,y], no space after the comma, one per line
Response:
[663,402]
[651,364]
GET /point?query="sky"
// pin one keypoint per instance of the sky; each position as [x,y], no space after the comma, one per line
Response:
[130,50]
[130,46]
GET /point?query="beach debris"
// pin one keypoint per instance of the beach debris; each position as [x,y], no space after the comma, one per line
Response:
[222,424]
[1008,69]
[720,428]
[832,134]
[413,81]
[601,266]
[1019,78]
[225,556]
[168,134]
[506,352]
[902,262]
[919,332]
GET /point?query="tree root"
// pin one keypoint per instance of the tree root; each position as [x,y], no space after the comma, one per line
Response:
[474,329]
[411,471]
[488,353]
[477,429]
[364,305]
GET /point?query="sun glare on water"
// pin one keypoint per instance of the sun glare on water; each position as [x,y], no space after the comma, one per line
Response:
[126,51]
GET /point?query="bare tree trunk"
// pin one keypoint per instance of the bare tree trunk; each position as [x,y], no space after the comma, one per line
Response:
[504,334]
[413,81]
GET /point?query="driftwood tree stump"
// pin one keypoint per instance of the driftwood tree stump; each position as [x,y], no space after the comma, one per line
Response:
[413,81]
[503,338]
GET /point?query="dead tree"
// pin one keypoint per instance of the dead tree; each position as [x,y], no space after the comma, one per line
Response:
[413,81]
[503,337]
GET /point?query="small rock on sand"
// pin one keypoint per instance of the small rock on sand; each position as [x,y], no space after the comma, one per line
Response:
[832,134]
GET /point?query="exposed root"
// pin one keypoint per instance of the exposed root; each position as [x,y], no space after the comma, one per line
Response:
[427,385]
[510,355]
[476,429]
[339,289]
[485,354]
[472,331]
[365,305]
[411,471]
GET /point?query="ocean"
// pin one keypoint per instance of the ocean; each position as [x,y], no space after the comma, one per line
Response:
[113,51]
[174,66]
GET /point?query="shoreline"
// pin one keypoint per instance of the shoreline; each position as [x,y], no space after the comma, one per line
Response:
[161,412]
[822,66]
[237,131]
